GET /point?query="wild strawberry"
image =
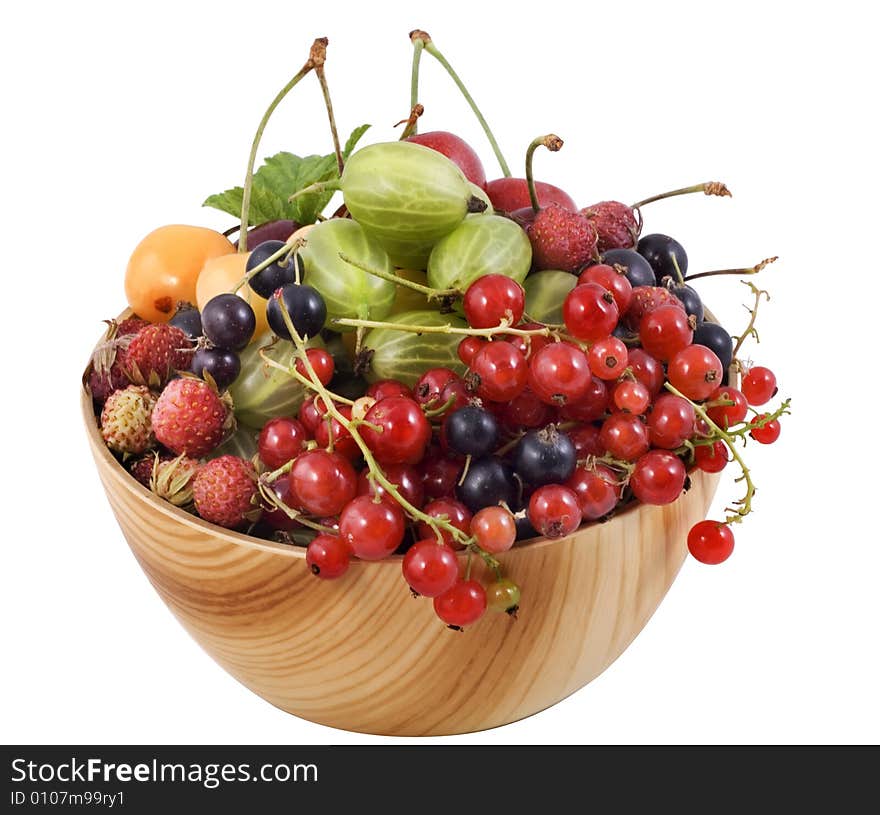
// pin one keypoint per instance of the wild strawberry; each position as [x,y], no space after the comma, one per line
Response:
[141,468]
[154,353]
[645,299]
[615,224]
[102,383]
[190,417]
[224,491]
[106,374]
[561,239]
[173,479]
[131,325]
[125,420]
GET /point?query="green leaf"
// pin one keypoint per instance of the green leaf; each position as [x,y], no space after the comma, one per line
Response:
[280,177]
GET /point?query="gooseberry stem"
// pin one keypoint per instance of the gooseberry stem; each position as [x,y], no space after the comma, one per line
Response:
[432,294]
[747,271]
[327,397]
[428,45]
[318,57]
[249,175]
[707,187]
[332,185]
[418,46]
[553,143]
[503,328]
[411,122]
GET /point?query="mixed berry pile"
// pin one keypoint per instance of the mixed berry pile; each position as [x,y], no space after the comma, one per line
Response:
[444,367]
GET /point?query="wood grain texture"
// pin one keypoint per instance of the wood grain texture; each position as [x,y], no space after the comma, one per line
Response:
[360,653]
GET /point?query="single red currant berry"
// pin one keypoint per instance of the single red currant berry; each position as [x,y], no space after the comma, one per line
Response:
[768,433]
[430,568]
[330,429]
[631,397]
[328,556]
[608,358]
[383,388]
[322,483]
[711,458]
[559,374]
[665,331]
[612,280]
[554,511]
[468,348]
[321,362]
[598,490]
[309,415]
[431,384]
[525,410]
[494,529]
[593,405]
[275,516]
[726,415]
[462,605]
[406,477]
[671,421]
[447,509]
[710,542]
[281,440]
[585,439]
[372,530]
[695,371]
[624,436]
[590,312]
[396,430]
[647,370]
[498,372]
[527,344]
[658,477]
[491,299]
[759,385]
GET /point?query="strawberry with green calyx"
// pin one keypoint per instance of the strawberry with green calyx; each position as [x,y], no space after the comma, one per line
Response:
[126,420]
[191,417]
[225,492]
[155,353]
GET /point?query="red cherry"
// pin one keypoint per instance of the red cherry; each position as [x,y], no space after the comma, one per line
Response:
[608,358]
[726,415]
[768,433]
[646,369]
[343,442]
[559,374]
[383,388]
[509,194]
[440,474]
[468,348]
[457,150]
[671,421]
[322,363]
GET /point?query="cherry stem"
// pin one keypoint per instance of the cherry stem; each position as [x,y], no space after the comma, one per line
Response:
[750,328]
[318,57]
[503,328]
[375,470]
[553,143]
[428,45]
[411,122]
[418,47]
[249,176]
[284,252]
[750,270]
[431,294]
[707,187]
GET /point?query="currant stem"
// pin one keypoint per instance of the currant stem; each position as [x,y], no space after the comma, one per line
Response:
[708,187]
[375,470]
[255,145]
[447,329]
[428,45]
[553,143]
[748,271]
[750,328]
[284,252]
[298,376]
[318,57]
[431,294]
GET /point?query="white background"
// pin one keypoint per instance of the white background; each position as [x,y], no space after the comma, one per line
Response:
[122,117]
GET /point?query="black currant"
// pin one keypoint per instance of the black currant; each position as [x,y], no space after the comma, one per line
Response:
[659,251]
[188,320]
[488,482]
[306,307]
[689,298]
[716,339]
[524,528]
[228,321]
[222,364]
[544,456]
[635,268]
[276,274]
[472,431]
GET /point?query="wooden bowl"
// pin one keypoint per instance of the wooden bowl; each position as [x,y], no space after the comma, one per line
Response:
[359,653]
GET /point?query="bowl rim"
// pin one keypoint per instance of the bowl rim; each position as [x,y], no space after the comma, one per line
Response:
[139,491]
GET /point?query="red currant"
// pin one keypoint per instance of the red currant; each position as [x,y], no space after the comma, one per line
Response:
[591,406]
[611,280]
[554,511]
[624,436]
[695,371]
[768,433]
[322,483]
[665,331]
[597,490]
[405,477]
[331,428]
[372,530]
[328,556]
[468,347]
[383,388]
[493,298]
[499,371]
[608,358]
[590,312]
[647,370]
[276,517]
[309,415]
[431,384]
[494,529]
[430,568]
[281,440]
[559,374]
[711,458]
[671,421]
[456,513]
[503,595]
[726,415]
[440,474]
[585,439]
[322,363]
[396,430]
[658,477]
[631,397]
[462,605]
[710,542]
[525,410]
[759,385]
[527,344]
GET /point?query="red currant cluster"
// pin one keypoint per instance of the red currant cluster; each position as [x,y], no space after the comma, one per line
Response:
[550,427]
